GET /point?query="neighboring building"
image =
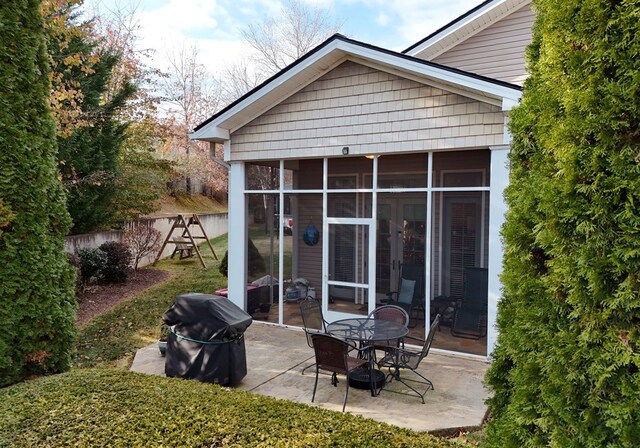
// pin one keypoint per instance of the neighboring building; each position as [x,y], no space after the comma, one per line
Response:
[398,159]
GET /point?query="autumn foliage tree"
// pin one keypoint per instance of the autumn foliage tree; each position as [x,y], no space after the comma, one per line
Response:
[36,282]
[566,368]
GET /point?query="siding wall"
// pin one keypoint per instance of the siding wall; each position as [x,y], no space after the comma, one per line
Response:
[497,51]
[370,111]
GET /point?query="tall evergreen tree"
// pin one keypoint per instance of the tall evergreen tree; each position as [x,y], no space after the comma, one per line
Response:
[89,156]
[566,367]
[88,108]
[36,282]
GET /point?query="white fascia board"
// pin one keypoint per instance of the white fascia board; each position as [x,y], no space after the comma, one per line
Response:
[211,134]
[510,103]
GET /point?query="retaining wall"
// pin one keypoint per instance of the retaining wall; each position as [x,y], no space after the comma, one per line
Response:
[215,224]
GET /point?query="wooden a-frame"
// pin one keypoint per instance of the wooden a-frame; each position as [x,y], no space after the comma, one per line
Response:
[185,243]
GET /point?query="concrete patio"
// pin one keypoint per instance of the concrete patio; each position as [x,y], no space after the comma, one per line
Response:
[276,357]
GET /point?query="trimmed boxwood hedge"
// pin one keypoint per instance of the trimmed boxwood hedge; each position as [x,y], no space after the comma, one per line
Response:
[567,363]
[36,282]
[94,407]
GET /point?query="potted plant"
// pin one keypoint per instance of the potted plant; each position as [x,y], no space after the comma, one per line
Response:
[162,341]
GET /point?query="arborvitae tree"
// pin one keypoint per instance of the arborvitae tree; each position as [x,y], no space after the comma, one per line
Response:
[566,366]
[36,282]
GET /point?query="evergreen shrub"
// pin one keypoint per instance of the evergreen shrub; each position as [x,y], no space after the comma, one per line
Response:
[82,408]
[256,264]
[92,262]
[118,265]
[566,370]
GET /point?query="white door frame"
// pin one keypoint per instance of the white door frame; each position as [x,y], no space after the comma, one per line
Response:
[370,286]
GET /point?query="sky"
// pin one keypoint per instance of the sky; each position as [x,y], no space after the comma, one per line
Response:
[214,26]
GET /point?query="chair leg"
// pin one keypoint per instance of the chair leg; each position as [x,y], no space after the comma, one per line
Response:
[346,394]
[426,381]
[394,374]
[315,386]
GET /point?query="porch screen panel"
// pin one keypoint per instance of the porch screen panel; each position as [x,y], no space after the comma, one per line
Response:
[265,176]
[357,170]
[402,171]
[263,256]
[461,168]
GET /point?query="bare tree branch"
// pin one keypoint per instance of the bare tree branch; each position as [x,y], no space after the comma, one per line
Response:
[280,42]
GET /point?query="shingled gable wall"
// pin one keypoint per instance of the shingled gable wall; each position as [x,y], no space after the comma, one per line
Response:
[364,108]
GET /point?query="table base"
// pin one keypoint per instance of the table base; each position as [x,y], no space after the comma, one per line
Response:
[360,379]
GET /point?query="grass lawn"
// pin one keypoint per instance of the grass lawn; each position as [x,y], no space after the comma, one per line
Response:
[100,403]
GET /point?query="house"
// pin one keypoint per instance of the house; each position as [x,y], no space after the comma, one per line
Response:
[397,160]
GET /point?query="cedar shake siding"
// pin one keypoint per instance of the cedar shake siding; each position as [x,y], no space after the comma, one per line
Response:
[370,111]
[497,51]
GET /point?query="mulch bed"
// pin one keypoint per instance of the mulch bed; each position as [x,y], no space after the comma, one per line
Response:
[100,298]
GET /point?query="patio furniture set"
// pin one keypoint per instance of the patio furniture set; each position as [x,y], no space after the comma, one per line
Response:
[349,347]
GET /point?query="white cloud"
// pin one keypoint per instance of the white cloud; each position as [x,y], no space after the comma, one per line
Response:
[383,19]
[214,25]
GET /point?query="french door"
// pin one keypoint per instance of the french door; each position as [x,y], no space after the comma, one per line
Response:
[401,237]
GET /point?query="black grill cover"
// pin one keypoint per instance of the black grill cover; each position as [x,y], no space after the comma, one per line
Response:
[207,342]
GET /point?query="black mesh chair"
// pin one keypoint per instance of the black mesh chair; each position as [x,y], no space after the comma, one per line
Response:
[410,293]
[469,319]
[399,359]
[312,321]
[332,355]
[391,313]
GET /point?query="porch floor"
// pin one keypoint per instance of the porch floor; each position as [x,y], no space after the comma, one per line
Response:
[277,355]
[444,340]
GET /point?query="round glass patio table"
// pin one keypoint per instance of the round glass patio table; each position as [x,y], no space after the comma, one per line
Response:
[366,332]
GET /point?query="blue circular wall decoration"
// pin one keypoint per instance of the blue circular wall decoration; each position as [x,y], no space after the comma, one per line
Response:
[311,235]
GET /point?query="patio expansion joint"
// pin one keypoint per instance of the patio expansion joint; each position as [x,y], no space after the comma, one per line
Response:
[306,360]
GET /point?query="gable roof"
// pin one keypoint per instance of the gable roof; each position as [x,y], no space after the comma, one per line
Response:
[331,53]
[463,27]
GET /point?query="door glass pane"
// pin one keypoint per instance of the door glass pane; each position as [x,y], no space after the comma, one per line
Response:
[413,233]
[348,263]
[383,250]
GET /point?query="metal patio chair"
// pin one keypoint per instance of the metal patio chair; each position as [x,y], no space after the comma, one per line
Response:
[332,355]
[312,321]
[399,359]
[391,313]
[410,293]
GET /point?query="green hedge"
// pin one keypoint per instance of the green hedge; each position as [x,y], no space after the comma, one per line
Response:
[566,370]
[91,407]
[36,282]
